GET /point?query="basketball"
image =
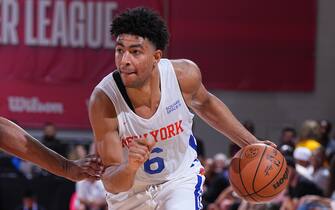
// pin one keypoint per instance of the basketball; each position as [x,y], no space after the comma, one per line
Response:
[258,173]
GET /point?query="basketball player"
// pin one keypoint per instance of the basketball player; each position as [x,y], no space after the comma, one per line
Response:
[16,141]
[142,123]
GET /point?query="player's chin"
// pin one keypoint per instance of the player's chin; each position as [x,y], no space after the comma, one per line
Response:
[129,80]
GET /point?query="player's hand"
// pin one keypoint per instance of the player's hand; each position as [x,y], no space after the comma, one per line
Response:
[139,152]
[267,142]
[88,167]
[213,206]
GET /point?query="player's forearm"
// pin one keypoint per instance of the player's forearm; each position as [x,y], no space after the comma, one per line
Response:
[118,179]
[217,115]
[46,158]
[16,141]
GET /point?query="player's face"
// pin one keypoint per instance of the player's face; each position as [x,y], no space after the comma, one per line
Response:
[135,58]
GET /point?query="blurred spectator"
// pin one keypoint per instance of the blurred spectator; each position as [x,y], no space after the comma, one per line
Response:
[320,173]
[77,152]
[91,195]
[29,202]
[220,162]
[200,150]
[50,139]
[258,206]
[287,141]
[200,147]
[298,187]
[310,134]
[302,157]
[329,142]
[331,187]
[227,200]
[28,169]
[219,182]
[234,148]
[286,150]
[288,137]
[330,149]
[325,129]
[209,172]
[312,202]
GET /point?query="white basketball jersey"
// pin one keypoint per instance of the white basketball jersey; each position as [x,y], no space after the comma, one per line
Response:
[174,155]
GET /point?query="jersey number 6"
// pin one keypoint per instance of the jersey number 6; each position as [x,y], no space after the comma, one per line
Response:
[157,163]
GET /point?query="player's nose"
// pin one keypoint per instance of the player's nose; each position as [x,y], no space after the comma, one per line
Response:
[125,59]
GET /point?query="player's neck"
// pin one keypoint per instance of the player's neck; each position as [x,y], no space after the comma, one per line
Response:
[148,93]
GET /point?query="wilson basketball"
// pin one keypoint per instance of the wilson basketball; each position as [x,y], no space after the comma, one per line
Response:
[258,173]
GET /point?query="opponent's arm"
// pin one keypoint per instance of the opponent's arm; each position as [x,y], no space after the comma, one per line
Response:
[16,141]
[209,107]
[119,174]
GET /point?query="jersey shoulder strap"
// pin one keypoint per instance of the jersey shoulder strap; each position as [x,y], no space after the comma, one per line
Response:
[122,89]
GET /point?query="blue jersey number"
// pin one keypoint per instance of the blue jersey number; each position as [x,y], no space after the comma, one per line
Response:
[156,161]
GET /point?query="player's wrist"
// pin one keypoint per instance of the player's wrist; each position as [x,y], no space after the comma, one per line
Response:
[68,166]
[132,168]
[254,140]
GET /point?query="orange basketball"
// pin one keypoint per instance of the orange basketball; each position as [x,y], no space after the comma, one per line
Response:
[258,173]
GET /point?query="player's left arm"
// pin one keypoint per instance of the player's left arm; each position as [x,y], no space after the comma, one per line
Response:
[209,107]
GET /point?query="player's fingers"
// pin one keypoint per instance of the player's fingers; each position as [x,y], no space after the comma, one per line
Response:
[138,143]
[95,158]
[137,157]
[141,141]
[137,147]
[90,171]
[212,206]
[142,151]
[270,143]
[97,178]
[151,144]
[88,176]
[95,166]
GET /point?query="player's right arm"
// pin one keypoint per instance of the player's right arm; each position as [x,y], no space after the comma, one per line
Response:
[119,174]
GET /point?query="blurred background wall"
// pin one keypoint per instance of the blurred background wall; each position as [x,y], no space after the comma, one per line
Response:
[271,111]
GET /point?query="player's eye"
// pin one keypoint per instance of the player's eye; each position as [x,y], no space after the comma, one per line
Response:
[136,52]
[119,50]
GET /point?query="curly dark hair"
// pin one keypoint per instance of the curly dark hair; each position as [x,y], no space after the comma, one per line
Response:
[142,22]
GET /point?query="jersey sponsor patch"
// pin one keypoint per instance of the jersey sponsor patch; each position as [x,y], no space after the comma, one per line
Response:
[173,106]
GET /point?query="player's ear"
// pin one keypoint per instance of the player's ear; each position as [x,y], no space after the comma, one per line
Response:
[157,55]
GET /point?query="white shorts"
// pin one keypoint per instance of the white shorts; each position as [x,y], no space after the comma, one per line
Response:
[181,194]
